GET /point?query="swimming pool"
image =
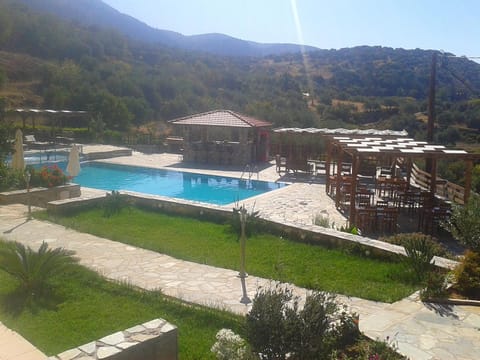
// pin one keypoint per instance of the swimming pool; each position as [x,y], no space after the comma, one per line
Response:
[211,189]
[42,157]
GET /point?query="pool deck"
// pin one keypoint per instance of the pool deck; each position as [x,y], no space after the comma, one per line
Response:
[298,203]
[419,330]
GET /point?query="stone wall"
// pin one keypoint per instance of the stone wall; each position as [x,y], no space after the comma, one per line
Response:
[153,340]
[40,196]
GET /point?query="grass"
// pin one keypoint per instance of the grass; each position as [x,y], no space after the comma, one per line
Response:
[268,256]
[85,307]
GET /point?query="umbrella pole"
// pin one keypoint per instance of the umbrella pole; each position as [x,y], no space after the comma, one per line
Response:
[28,176]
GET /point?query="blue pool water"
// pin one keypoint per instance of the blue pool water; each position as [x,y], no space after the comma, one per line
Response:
[205,188]
[44,157]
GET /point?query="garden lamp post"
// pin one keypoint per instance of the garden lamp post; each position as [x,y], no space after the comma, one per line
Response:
[28,176]
[243,221]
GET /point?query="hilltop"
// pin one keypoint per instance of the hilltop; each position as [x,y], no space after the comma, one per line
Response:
[57,61]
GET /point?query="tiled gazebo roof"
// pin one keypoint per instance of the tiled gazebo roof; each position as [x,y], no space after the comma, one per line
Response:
[221,118]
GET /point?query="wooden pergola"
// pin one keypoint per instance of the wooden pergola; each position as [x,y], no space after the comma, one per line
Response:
[298,145]
[51,114]
[380,148]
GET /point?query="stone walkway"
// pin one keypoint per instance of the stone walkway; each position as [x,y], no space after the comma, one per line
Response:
[15,347]
[419,331]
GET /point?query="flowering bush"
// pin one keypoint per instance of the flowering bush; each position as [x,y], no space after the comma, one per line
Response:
[48,176]
[229,346]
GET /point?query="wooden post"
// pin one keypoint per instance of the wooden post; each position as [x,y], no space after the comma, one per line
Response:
[431,108]
[339,174]
[409,164]
[431,99]
[327,165]
[468,180]
[353,191]
[433,177]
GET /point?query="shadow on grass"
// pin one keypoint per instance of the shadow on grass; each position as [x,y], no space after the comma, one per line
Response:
[20,300]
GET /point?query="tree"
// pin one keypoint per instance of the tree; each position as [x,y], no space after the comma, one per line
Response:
[3,78]
[5,144]
[114,112]
[32,268]
[449,136]
[97,127]
[464,223]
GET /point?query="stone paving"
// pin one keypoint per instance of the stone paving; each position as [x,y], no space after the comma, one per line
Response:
[15,347]
[420,331]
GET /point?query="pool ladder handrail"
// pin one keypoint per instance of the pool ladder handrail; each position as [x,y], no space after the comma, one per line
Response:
[250,172]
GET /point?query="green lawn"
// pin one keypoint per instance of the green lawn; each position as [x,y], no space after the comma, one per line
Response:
[268,256]
[87,307]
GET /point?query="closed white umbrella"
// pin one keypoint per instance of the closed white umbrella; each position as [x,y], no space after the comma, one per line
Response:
[73,167]
[18,162]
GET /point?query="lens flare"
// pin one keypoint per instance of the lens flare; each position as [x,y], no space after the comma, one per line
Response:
[306,65]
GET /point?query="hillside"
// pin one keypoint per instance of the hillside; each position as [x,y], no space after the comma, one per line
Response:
[48,62]
[97,13]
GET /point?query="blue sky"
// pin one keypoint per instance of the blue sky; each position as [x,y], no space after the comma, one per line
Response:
[452,26]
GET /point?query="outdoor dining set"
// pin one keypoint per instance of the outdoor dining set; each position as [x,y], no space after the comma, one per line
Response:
[382,200]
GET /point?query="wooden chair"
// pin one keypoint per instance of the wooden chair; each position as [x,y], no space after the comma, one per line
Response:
[366,219]
[389,220]
[281,164]
[363,199]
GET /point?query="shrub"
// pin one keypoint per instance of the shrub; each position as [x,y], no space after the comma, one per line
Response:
[373,350]
[401,239]
[230,346]
[252,223]
[467,275]
[277,329]
[268,322]
[33,268]
[350,229]
[114,203]
[322,220]
[419,256]
[435,286]
[10,179]
[464,223]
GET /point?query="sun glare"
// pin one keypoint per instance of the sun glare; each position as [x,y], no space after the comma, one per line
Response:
[298,27]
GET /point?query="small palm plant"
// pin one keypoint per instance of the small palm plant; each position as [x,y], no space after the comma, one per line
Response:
[33,268]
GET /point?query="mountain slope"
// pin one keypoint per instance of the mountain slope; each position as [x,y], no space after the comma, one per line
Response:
[97,13]
[49,62]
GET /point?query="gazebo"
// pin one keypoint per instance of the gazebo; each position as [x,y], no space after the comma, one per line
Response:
[223,137]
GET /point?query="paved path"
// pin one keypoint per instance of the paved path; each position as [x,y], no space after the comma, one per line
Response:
[419,331]
[15,347]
